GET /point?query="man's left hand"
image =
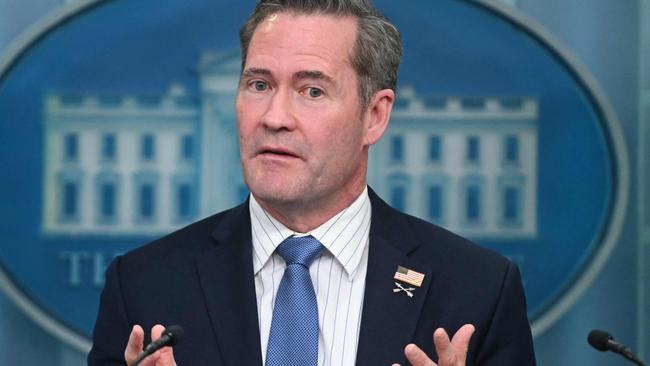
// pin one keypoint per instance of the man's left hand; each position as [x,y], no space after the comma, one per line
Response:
[450,352]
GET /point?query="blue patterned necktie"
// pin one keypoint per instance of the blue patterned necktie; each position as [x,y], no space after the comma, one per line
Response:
[293,340]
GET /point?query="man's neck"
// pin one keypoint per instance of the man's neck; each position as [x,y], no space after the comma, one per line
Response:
[303,218]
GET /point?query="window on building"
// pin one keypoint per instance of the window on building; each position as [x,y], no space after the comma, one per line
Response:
[147,147]
[397,148]
[187,147]
[71,147]
[147,203]
[511,149]
[435,103]
[512,103]
[184,201]
[109,147]
[435,203]
[435,148]
[473,149]
[398,197]
[473,103]
[108,200]
[401,103]
[511,198]
[473,203]
[70,208]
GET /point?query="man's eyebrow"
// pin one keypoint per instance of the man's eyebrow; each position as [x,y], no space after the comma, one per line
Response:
[313,74]
[255,71]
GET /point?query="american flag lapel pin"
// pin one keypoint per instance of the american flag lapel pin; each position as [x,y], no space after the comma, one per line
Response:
[409,276]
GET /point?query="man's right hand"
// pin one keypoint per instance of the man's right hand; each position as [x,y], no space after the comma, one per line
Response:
[162,357]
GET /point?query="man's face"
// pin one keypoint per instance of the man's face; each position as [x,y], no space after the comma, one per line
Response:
[301,131]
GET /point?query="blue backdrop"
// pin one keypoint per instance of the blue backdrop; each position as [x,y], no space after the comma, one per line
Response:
[125,47]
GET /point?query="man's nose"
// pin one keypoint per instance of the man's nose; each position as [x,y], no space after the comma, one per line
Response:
[279,114]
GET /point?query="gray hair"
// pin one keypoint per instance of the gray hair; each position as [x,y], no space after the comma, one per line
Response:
[378,48]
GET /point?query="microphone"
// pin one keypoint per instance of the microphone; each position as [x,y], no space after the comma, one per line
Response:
[603,341]
[171,336]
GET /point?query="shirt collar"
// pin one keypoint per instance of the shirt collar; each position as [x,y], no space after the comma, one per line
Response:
[345,235]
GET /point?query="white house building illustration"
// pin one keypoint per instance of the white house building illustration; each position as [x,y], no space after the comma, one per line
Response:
[468,164]
[148,164]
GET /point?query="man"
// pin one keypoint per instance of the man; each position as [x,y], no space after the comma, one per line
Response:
[316,90]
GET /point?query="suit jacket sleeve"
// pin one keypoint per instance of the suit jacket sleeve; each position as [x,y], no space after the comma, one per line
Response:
[112,329]
[508,339]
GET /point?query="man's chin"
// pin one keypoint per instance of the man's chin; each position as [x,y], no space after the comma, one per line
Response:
[275,193]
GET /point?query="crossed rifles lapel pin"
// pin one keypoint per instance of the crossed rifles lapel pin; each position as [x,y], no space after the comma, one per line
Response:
[409,276]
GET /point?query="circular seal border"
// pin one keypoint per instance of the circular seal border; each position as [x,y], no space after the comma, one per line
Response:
[14,52]
[559,305]
[606,240]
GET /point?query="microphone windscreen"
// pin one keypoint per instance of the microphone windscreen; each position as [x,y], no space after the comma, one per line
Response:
[598,339]
[175,333]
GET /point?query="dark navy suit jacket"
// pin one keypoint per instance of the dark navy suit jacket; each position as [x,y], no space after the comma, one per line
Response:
[201,277]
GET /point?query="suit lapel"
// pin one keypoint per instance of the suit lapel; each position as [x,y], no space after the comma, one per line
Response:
[389,319]
[226,274]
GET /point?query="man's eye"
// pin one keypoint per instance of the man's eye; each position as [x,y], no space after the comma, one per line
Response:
[314,92]
[260,86]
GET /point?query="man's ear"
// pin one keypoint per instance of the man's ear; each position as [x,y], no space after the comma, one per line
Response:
[377,115]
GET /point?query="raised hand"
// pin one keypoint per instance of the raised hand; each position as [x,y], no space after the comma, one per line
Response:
[162,357]
[450,352]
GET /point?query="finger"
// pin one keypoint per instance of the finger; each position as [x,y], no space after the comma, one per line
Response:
[461,340]
[446,353]
[154,358]
[156,331]
[135,344]
[165,355]
[162,357]
[417,357]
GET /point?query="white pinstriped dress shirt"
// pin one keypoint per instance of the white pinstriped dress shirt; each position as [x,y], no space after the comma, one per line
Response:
[338,275]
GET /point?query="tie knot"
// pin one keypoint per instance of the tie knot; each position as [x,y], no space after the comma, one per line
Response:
[300,250]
